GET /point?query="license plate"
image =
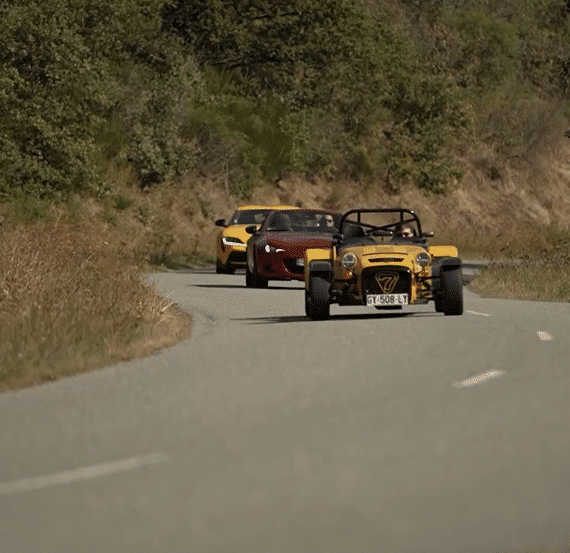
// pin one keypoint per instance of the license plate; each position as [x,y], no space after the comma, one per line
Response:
[301,262]
[387,299]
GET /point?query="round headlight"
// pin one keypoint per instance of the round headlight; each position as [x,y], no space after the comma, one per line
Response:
[423,259]
[348,260]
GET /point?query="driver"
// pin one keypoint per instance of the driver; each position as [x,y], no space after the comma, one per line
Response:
[404,231]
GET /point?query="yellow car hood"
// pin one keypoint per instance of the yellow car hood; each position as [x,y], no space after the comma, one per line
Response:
[384,249]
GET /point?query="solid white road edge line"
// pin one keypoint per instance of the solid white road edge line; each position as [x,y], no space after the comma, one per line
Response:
[85,473]
[480,314]
[479,379]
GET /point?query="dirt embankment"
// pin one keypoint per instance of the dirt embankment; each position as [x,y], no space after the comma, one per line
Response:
[489,211]
[501,209]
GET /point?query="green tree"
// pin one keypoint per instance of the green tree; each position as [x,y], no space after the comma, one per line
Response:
[71,68]
[427,117]
[292,49]
[50,95]
[489,53]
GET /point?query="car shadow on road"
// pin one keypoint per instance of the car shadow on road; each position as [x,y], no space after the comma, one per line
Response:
[352,316]
[189,270]
[244,286]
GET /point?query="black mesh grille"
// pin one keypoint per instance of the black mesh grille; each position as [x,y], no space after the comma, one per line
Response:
[237,257]
[292,267]
[387,275]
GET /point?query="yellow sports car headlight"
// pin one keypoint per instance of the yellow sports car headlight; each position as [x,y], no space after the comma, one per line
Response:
[348,260]
[232,241]
[423,259]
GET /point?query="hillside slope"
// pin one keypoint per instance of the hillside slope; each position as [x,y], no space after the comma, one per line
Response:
[489,215]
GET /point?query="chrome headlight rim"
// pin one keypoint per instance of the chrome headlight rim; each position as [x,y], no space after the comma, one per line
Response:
[423,259]
[349,260]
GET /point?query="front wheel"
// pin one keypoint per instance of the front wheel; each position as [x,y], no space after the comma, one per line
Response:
[253,280]
[450,300]
[223,269]
[317,299]
[248,277]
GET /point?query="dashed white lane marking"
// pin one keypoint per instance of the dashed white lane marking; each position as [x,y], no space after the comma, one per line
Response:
[479,379]
[480,314]
[544,335]
[85,473]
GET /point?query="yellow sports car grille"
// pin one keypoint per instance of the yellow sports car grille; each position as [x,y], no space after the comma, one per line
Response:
[237,257]
[386,280]
[385,259]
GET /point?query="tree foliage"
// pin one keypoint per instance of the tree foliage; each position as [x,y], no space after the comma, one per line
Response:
[49,96]
[293,49]
[68,68]
[381,91]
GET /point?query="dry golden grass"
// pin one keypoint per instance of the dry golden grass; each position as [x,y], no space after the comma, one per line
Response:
[542,272]
[72,301]
[531,279]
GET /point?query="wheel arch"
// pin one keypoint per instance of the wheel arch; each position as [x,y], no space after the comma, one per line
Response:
[317,260]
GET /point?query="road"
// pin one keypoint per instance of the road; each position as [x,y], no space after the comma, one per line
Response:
[402,432]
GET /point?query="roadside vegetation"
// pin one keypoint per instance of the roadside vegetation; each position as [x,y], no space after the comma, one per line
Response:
[528,279]
[128,128]
[72,300]
[540,276]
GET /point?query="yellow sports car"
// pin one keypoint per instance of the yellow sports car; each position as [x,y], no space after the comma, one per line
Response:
[381,258]
[232,238]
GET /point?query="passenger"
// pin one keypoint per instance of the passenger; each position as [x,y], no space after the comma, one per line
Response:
[326,223]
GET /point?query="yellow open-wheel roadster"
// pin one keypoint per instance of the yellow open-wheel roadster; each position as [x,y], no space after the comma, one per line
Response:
[381,258]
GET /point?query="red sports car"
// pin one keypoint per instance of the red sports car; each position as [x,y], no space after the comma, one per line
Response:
[276,250]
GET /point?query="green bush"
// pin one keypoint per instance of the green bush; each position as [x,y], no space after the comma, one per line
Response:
[489,52]
[76,75]
[242,139]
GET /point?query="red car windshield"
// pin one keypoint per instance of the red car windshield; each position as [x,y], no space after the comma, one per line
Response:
[303,221]
[249,216]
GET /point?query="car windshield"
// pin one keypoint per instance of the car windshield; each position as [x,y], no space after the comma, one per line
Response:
[402,228]
[303,221]
[249,216]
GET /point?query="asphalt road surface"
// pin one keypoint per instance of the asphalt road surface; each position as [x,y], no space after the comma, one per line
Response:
[401,432]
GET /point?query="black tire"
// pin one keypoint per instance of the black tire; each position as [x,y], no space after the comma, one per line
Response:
[253,280]
[436,273]
[450,300]
[308,311]
[224,269]
[248,277]
[259,281]
[317,301]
